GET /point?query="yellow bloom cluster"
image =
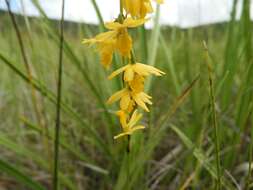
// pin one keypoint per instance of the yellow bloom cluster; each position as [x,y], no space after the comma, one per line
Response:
[134,76]
[139,8]
[117,39]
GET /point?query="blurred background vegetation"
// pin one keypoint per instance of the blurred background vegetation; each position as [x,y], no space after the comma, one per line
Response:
[176,150]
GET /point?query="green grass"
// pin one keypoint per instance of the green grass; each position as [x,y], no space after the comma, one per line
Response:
[176,151]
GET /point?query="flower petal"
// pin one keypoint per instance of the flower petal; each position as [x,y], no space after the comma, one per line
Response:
[146,70]
[123,119]
[118,95]
[125,102]
[124,43]
[103,37]
[117,72]
[159,1]
[146,8]
[134,119]
[137,84]
[131,106]
[138,127]
[145,98]
[128,74]
[106,52]
[113,25]
[122,134]
[132,6]
[132,23]
[140,102]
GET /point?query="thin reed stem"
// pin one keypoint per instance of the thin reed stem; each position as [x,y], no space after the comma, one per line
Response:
[128,143]
[30,78]
[121,7]
[58,106]
[214,118]
[128,161]
[128,166]
[100,18]
[249,180]
[25,59]
[20,40]
[121,18]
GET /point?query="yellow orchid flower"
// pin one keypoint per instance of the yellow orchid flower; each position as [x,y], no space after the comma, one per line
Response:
[137,84]
[138,68]
[117,39]
[139,8]
[160,1]
[126,102]
[129,127]
[127,97]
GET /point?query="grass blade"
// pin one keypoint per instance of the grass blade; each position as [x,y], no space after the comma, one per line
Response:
[250,152]
[48,94]
[168,55]
[100,18]
[28,69]
[68,147]
[199,155]
[152,52]
[214,117]
[143,44]
[179,100]
[76,61]
[156,136]
[58,104]
[19,176]
[36,157]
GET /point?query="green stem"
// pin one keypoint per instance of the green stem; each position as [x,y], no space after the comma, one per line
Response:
[128,143]
[128,164]
[121,14]
[34,97]
[121,17]
[214,118]
[121,7]
[144,45]
[100,18]
[58,106]
[133,59]
[248,180]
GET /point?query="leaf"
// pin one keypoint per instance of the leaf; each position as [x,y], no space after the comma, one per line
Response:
[100,18]
[179,100]
[68,50]
[23,151]
[200,156]
[153,45]
[19,176]
[157,132]
[51,97]
[64,144]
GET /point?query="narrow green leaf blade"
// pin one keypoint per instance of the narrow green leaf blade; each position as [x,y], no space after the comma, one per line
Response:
[200,156]
[19,176]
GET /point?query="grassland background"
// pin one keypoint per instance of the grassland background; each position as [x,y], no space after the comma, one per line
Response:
[174,152]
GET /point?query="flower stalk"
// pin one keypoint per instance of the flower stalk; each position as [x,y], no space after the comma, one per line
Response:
[133,74]
[58,106]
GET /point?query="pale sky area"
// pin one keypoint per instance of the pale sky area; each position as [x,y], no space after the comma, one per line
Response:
[181,13]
